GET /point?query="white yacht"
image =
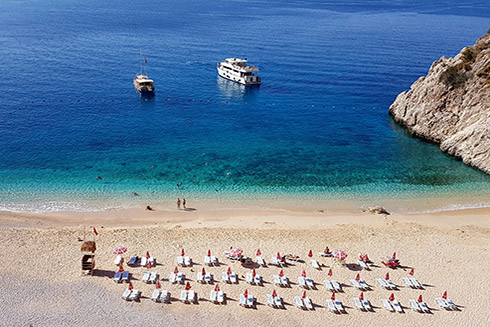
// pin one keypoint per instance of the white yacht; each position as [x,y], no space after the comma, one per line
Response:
[141,82]
[237,70]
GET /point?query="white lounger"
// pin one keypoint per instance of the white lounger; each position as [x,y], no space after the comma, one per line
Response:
[415,306]
[180,260]
[191,296]
[387,305]
[146,277]
[258,280]
[207,260]
[260,261]
[200,277]
[424,307]
[270,301]
[310,283]
[364,285]
[118,260]
[339,306]
[358,304]
[328,285]
[153,277]
[277,280]
[408,282]
[331,306]
[299,302]
[302,282]
[284,281]
[225,278]
[156,295]
[135,295]
[451,304]
[390,284]
[165,296]
[249,278]
[363,264]
[213,296]
[415,283]
[367,305]
[143,261]
[278,302]
[356,284]
[308,303]
[126,294]
[208,278]
[315,264]
[183,296]
[233,278]
[396,305]
[336,285]
[243,300]
[187,261]
[221,297]
[275,261]
[172,278]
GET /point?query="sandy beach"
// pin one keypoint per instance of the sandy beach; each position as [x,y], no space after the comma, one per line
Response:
[43,286]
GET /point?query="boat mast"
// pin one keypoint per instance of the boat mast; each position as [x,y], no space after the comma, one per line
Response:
[141,63]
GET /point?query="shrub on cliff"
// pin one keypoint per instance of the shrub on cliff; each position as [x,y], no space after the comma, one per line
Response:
[454,78]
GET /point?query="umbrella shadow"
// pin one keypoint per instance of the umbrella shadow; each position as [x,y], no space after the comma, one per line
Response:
[354,267]
[103,273]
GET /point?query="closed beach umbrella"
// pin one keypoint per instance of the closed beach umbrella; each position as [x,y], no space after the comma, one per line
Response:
[147,255]
[209,253]
[121,269]
[258,252]
[420,298]
[253,272]
[392,297]
[235,252]
[387,277]
[361,296]
[182,253]
[310,254]
[229,271]
[281,273]
[339,254]
[149,265]
[187,286]
[444,296]
[411,272]
[216,288]
[119,250]
[130,287]
[176,270]
[158,285]
[245,293]
[304,295]
[274,293]
[333,296]
[278,255]
[203,271]
[394,256]
[303,273]
[358,277]
[330,272]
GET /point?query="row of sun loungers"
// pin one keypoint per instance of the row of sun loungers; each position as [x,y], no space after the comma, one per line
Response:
[446,304]
[161,296]
[176,278]
[229,278]
[281,281]
[335,306]
[150,277]
[274,301]
[360,284]
[303,303]
[247,301]
[363,305]
[332,285]
[120,277]
[206,278]
[253,280]
[188,296]
[419,306]
[306,282]
[136,261]
[184,261]
[363,265]
[131,295]
[386,284]
[412,282]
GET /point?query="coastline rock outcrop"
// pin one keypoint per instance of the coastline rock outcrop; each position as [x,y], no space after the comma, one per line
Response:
[451,105]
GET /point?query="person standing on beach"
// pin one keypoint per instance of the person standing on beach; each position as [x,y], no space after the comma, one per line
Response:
[183,204]
[178,203]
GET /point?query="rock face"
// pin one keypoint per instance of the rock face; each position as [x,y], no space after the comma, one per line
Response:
[451,105]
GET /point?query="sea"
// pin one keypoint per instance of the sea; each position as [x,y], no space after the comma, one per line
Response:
[74,134]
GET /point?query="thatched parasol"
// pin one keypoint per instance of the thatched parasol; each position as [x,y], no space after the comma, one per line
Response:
[88,246]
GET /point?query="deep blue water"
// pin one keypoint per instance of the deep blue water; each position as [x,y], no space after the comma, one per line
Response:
[317,126]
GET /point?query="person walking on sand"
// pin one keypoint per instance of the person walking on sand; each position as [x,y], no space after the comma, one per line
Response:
[183,204]
[178,203]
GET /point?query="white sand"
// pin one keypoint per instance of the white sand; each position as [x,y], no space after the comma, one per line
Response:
[41,282]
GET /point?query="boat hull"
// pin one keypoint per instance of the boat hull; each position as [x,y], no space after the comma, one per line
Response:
[237,79]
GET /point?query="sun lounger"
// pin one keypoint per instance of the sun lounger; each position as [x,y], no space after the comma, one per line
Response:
[200,277]
[133,261]
[233,278]
[424,307]
[180,278]
[152,261]
[221,297]
[309,283]
[187,261]
[117,277]
[387,305]
[118,260]
[356,284]
[172,278]
[183,296]
[363,284]
[278,302]
[308,303]
[396,305]
[214,260]
[331,306]
[213,296]
[258,280]
[336,286]
[367,305]
[135,295]
[260,261]
[243,300]
[250,301]
[207,260]
[180,260]
[302,282]
[277,280]
[358,304]
[315,264]
[383,283]
[270,301]
[276,262]
[153,277]
[165,296]
[125,276]
[143,262]
[328,285]
[390,284]
[146,277]
[451,304]
[325,254]
[363,264]
[299,302]
[284,281]
[208,278]
[225,278]
[156,295]
[415,306]
[339,306]
[249,278]
[126,294]
[415,283]
[408,282]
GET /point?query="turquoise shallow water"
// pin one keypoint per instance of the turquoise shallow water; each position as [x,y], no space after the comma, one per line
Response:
[317,128]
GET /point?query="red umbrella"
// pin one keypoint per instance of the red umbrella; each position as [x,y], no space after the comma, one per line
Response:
[203,271]
[278,255]
[339,254]
[358,277]
[366,257]
[333,296]
[281,273]
[392,297]
[330,272]
[149,265]
[157,285]
[147,255]
[303,273]
[394,256]
[183,253]
[130,287]
[361,297]
[274,294]
[121,269]
[387,277]
[310,254]
[187,286]
[444,296]
[216,288]
[420,298]
[245,293]
[304,295]
[229,271]
[119,250]
[253,272]
[236,252]
[209,253]
[176,270]
[411,272]
[258,252]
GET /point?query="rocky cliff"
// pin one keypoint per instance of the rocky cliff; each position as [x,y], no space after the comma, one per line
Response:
[451,105]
